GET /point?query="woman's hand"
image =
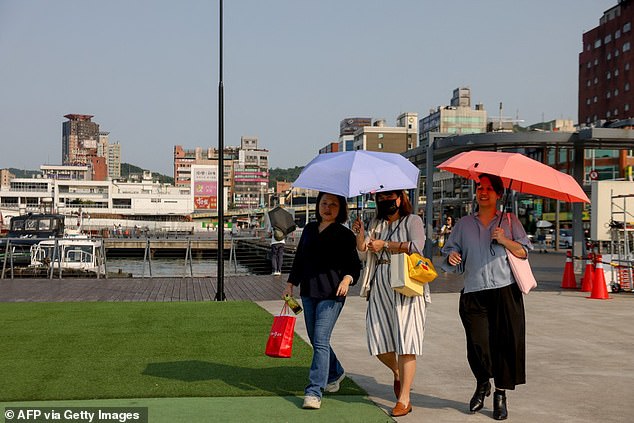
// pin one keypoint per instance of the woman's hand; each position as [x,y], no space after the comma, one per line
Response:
[454,258]
[359,231]
[500,236]
[376,245]
[342,289]
[288,290]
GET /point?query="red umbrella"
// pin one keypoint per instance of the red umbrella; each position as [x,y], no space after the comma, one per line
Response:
[518,172]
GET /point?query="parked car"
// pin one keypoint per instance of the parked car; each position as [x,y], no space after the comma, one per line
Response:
[565,238]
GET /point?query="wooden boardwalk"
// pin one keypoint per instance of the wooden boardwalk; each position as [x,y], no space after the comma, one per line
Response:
[548,269]
[246,288]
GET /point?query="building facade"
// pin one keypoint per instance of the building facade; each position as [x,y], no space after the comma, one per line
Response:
[106,198]
[347,129]
[246,170]
[113,158]
[606,95]
[388,139]
[5,177]
[605,67]
[80,138]
[456,119]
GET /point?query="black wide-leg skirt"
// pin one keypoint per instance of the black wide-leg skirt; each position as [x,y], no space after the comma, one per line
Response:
[495,328]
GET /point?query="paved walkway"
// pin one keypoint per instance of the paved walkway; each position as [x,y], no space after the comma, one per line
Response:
[579,350]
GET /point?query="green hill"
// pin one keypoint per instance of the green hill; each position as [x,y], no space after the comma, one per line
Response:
[128,169]
[288,175]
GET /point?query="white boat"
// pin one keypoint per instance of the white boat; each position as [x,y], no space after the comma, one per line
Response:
[77,255]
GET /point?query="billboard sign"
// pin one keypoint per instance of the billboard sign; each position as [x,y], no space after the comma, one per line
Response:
[204,187]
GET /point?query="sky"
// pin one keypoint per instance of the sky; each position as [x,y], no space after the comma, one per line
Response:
[148,70]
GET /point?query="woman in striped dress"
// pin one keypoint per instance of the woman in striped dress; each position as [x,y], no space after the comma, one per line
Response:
[395,323]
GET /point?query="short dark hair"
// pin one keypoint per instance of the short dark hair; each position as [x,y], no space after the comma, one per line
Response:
[406,206]
[496,182]
[342,216]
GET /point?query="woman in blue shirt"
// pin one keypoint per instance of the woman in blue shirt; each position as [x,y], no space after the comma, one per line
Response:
[325,265]
[491,303]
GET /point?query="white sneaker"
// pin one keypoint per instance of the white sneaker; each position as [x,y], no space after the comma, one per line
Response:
[277,273]
[311,402]
[334,386]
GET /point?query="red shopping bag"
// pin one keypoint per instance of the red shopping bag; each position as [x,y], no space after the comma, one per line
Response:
[280,343]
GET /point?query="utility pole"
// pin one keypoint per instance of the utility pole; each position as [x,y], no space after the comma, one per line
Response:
[220,289]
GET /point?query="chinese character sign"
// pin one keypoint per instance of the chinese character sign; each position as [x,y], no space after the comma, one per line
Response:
[205,187]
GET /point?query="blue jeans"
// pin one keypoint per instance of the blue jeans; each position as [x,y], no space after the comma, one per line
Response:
[320,317]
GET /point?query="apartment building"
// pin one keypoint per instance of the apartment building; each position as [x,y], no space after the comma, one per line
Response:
[605,67]
[246,170]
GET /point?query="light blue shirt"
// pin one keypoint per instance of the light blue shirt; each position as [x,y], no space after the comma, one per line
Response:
[484,265]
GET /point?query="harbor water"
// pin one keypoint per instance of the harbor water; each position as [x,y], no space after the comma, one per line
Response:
[172,267]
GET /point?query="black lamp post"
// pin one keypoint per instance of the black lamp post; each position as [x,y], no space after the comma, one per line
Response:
[220,289]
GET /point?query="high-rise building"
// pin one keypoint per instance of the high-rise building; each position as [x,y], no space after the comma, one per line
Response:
[80,137]
[457,119]
[605,74]
[250,175]
[113,159]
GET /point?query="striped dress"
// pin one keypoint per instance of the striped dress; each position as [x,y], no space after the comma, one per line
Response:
[394,322]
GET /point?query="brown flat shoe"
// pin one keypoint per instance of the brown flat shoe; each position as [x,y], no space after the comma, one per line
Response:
[397,388]
[401,409]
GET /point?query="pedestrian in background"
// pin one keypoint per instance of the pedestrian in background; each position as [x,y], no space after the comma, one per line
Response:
[278,243]
[491,304]
[325,265]
[445,231]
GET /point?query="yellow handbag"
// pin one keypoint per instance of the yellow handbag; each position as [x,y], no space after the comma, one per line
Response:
[421,269]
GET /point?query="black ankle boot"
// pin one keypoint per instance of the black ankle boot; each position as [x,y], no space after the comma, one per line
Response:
[477,400]
[499,405]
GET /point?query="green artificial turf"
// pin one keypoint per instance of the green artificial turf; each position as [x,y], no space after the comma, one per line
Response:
[338,408]
[75,351]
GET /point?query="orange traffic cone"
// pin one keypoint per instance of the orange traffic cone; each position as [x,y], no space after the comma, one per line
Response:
[588,276]
[568,281]
[599,290]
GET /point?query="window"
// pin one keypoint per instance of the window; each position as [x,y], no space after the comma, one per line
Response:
[626,47]
[617,34]
[589,83]
[607,114]
[595,99]
[627,66]
[596,80]
[607,95]
[380,136]
[626,107]
[627,27]
[609,56]
[616,73]
[597,43]
[616,112]
[380,146]
[588,101]
[616,92]
[627,86]
[596,62]
[607,39]
[616,53]
[608,75]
